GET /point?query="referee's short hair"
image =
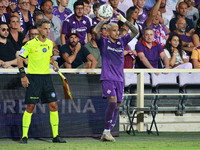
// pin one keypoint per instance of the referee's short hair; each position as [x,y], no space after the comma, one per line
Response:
[41,21]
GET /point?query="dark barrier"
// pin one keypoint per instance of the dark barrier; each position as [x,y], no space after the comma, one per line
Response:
[85,117]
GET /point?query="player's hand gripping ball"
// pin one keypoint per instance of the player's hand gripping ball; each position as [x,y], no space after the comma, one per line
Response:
[105,11]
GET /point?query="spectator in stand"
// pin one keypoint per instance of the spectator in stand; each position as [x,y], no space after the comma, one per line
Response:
[129,55]
[87,7]
[187,44]
[77,22]
[114,4]
[132,16]
[196,57]
[153,21]
[6,4]
[96,19]
[177,56]
[104,32]
[33,6]
[24,15]
[76,55]
[192,12]
[17,38]
[47,8]
[196,35]
[33,32]
[93,48]
[7,52]
[61,11]
[182,11]
[3,16]
[149,52]
[167,14]
[143,12]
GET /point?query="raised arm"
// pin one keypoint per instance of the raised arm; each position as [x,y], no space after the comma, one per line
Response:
[153,12]
[97,29]
[134,31]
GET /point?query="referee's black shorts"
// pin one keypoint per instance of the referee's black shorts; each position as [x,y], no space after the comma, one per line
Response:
[40,88]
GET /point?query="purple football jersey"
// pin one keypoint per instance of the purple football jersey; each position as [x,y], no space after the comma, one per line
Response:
[72,24]
[142,17]
[62,15]
[113,57]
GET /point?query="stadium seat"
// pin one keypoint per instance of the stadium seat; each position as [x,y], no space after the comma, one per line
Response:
[189,83]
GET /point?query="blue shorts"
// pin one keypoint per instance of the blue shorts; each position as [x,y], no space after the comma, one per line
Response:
[113,88]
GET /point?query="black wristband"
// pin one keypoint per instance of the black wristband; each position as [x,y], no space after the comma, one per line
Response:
[22,72]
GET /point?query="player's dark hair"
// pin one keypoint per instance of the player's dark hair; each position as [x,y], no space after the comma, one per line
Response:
[85,1]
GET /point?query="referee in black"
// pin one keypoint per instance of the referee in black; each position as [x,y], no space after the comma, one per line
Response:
[38,82]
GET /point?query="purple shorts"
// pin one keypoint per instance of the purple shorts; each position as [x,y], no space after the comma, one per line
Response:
[113,88]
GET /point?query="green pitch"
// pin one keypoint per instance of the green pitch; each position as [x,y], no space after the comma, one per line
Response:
[142,141]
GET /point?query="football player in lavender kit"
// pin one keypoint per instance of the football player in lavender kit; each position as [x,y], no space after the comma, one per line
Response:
[112,75]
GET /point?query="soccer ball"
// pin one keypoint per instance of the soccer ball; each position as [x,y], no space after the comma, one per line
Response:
[105,11]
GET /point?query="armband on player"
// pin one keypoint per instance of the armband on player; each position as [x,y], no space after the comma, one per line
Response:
[22,72]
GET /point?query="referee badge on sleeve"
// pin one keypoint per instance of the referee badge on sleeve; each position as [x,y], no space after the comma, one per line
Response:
[21,52]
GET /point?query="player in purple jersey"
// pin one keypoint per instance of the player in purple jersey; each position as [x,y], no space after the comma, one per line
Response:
[112,76]
[76,22]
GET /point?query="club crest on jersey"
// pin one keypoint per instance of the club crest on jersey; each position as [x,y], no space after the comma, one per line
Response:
[44,50]
[109,91]
[21,52]
[53,94]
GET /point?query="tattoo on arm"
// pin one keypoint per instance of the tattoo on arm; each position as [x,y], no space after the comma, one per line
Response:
[134,31]
[97,29]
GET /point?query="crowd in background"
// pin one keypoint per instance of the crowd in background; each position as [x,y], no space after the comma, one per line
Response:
[175,25]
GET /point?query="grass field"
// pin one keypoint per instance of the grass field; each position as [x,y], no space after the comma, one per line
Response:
[142,141]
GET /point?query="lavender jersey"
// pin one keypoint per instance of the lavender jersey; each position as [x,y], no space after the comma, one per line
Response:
[112,19]
[72,24]
[142,17]
[113,57]
[62,15]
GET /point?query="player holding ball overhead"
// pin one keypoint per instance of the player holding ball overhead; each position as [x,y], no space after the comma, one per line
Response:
[38,82]
[112,75]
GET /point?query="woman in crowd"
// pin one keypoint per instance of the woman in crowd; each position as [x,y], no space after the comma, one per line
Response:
[177,57]
[132,15]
